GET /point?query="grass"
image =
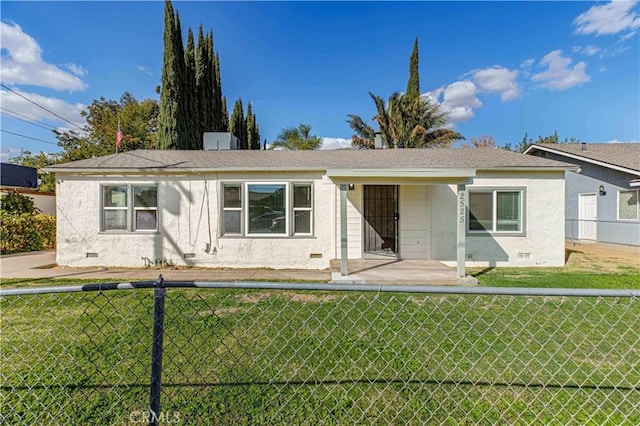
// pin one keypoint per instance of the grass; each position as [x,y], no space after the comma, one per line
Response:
[627,278]
[276,357]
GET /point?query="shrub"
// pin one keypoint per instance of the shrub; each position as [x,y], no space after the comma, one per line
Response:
[18,204]
[26,232]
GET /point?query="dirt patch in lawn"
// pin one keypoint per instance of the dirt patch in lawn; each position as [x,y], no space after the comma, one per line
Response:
[601,258]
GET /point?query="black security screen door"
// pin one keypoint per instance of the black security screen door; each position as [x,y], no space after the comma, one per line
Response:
[381,219]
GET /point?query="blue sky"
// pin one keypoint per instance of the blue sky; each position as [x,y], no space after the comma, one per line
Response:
[498,68]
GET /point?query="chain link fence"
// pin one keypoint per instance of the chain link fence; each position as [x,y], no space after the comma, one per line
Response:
[280,353]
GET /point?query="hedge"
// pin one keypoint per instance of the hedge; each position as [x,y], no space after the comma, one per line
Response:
[26,232]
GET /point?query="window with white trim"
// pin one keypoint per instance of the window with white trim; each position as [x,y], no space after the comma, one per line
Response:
[129,208]
[628,205]
[267,209]
[496,211]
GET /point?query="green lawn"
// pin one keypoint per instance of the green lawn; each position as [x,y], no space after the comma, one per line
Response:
[279,357]
[626,277]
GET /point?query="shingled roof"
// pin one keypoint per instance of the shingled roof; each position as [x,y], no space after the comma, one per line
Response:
[170,160]
[625,155]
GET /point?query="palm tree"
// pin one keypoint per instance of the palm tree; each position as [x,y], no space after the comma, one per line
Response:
[296,138]
[405,122]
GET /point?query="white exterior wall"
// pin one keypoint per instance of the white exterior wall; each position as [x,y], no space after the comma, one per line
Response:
[413,233]
[543,241]
[188,209]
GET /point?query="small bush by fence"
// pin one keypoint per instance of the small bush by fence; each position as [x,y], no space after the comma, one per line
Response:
[26,232]
[280,353]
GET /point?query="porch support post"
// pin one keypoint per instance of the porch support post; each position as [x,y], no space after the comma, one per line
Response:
[461,215]
[343,230]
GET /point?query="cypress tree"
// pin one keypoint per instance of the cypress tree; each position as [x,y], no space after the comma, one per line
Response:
[167,120]
[190,94]
[413,85]
[225,115]
[220,110]
[250,127]
[237,124]
[202,70]
[256,134]
[182,116]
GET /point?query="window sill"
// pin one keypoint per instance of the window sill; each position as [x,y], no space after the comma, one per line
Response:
[496,234]
[265,237]
[128,232]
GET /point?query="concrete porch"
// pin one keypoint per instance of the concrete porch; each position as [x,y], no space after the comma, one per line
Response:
[394,271]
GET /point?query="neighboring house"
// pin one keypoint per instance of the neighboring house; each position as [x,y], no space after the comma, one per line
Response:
[24,180]
[601,202]
[300,209]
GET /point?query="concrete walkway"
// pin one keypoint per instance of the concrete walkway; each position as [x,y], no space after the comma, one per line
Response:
[394,271]
[41,266]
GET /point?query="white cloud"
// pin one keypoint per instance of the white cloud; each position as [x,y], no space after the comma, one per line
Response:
[627,36]
[527,63]
[618,141]
[497,79]
[457,99]
[24,64]
[8,152]
[76,69]
[610,18]
[63,108]
[559,75]
[145,70]
[335,143]
[588,50]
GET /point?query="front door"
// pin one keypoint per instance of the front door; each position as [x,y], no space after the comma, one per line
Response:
[588,216]
[381,220]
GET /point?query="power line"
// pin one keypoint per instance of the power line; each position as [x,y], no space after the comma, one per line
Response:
[27,117]
[26,121]
[40,106]
[28,137]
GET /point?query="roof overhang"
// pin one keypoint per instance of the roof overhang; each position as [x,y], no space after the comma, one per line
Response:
[404,176]
[635,183]
[581,158]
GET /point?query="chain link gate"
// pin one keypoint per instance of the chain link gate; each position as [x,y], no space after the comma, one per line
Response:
[275,353]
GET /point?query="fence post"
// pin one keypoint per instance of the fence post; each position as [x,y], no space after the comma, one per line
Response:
[156,357]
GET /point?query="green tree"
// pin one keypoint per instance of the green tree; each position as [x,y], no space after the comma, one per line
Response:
[413,85]
[225,115]
[191,94]
[17,204]
[238,125]
[405,121]
[296,138]
[172,121]
[138,122]
[38,161]
[526,141]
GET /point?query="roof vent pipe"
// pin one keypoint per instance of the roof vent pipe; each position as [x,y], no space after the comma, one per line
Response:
[378,142]
[584,146]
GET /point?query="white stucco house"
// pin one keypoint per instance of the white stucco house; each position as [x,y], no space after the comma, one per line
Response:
[301,209]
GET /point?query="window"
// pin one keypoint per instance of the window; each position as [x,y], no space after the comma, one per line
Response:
[231,209]
[264,209]
[628,205]
[302,209]
[497,211]
[120,214]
